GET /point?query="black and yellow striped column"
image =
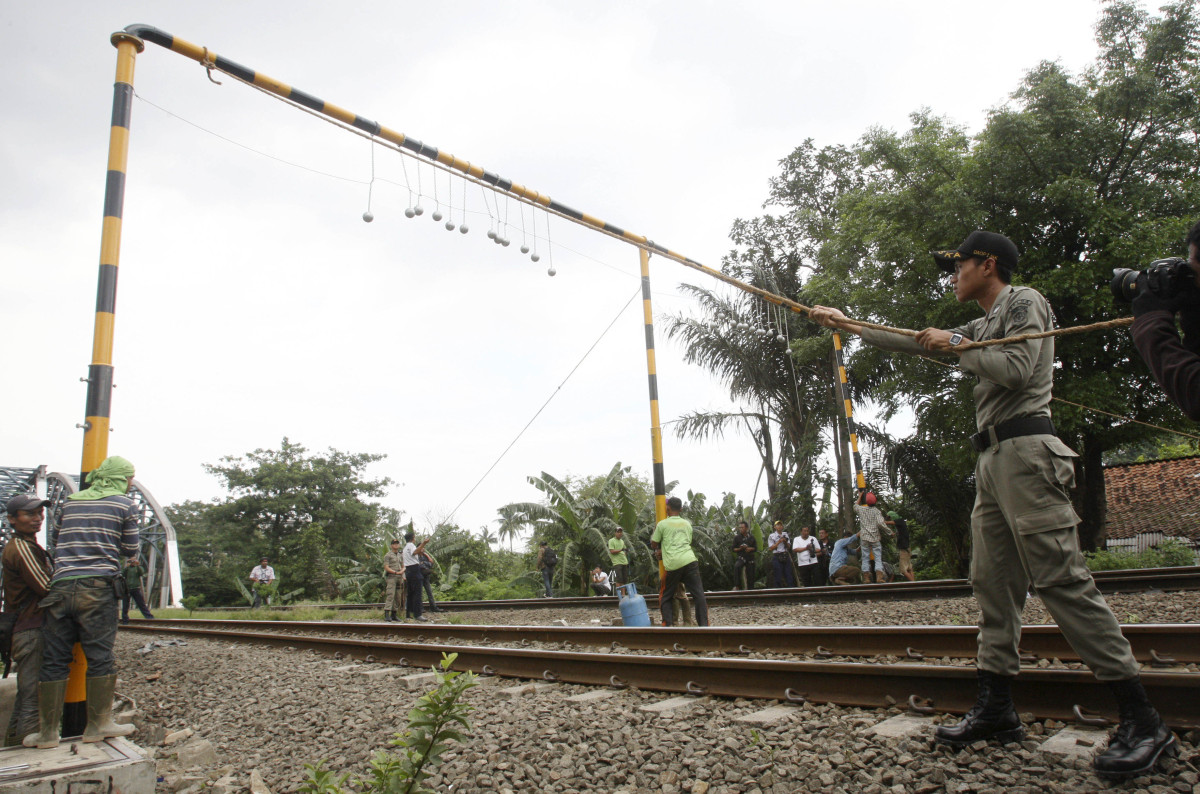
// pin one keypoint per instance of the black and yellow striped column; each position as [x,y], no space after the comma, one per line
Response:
[848,412]
[660,480]
[100,373]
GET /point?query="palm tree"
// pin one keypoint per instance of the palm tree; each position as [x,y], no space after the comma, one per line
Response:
[512,523]
[582,525]
[488,536]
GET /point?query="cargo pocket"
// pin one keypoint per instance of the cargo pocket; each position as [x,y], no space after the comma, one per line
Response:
[1063,458]
[1051,546]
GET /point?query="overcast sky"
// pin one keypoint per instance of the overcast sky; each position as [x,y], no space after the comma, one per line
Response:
[254,303]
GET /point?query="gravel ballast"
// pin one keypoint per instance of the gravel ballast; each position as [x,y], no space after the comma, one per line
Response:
[265,712]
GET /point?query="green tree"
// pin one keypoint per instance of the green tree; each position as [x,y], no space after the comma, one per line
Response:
[304,511]
[579,527]
[1084,172]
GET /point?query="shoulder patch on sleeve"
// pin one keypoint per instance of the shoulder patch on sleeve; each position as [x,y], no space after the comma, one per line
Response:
[1018,310]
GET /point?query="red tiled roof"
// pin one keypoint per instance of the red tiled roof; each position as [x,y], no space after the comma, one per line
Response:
[1156,496]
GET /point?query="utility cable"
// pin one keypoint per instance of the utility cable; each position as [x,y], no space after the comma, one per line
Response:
[553,394]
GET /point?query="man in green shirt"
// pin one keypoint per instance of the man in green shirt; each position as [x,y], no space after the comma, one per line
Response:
[672,543]
[620,561]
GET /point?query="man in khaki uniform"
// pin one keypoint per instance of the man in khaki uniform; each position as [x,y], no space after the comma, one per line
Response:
[393,575]
[1023,524]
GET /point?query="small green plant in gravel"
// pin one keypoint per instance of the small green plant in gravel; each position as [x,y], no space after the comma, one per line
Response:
[439,718]
[192,603]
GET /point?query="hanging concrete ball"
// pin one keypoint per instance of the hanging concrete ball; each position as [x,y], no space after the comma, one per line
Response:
[408,213]
[504,241]
[524,249]
[781,339]
[449,226]
[535,257]
[419,209]
[550,271]
[491,234]
[437,216]
[463,228]
[368,217]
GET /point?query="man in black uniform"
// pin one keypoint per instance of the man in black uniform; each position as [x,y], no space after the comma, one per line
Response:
[745,547]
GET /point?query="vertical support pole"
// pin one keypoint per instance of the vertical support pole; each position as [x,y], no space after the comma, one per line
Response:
[100,373]
[848,412]
[660,480]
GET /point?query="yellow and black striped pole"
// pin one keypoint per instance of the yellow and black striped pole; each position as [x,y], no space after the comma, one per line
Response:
[660,480]
[98,408]
[848,412]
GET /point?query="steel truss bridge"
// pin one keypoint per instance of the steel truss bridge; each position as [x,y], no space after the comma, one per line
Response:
[159,547]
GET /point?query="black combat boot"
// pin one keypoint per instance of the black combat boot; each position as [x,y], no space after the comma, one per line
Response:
[992,716]
[1141,738]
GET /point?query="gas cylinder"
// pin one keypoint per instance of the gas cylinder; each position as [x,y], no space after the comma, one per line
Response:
[633,606]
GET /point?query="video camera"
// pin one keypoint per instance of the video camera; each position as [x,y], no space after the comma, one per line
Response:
[1168,278]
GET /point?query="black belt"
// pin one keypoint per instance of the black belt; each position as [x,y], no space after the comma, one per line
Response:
[1023,426]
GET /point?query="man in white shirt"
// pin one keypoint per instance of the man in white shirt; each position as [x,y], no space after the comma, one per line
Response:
[808,557]
[412,575]
[260,577]
[778,544]
[600,582]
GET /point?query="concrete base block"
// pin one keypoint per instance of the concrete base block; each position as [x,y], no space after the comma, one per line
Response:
[595,694]
[903,726]
[112,765]
[672,706]
[382,672]
[520,690]
[419,680]
[1075,742]
[769,716]
[345,668]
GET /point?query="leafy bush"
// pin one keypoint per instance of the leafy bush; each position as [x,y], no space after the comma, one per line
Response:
[1170,553]
[471,588]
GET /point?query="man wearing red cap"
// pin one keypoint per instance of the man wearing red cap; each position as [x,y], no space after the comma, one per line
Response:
[870,524]
[1023,524]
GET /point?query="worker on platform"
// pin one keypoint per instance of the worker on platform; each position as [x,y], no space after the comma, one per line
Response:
[99,527]
[26,582]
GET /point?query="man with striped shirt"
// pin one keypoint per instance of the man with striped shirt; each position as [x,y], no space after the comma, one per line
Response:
[26,580]
[99,527]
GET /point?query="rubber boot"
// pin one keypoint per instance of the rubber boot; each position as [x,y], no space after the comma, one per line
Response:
[1141,738]
[50,709]
[992,716]
[387,616]
[99,710]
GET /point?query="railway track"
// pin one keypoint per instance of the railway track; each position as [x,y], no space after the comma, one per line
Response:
[1131,581]
[1048,693]
[1161,645]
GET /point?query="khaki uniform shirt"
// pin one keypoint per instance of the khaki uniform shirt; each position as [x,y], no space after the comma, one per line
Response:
[395,561]
[1014,380]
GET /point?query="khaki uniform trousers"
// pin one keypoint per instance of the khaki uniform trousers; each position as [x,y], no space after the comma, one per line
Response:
[393,596]
[1022,534]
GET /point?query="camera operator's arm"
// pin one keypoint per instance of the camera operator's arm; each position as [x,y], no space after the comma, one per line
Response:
[1175,368]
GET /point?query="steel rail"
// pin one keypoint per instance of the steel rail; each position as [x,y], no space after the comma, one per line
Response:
[1048,694]
[1126,581]
[1157,644]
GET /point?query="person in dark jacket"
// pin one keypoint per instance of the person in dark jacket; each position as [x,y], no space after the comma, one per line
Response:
[1174,363]
[133,589]
[26,582]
